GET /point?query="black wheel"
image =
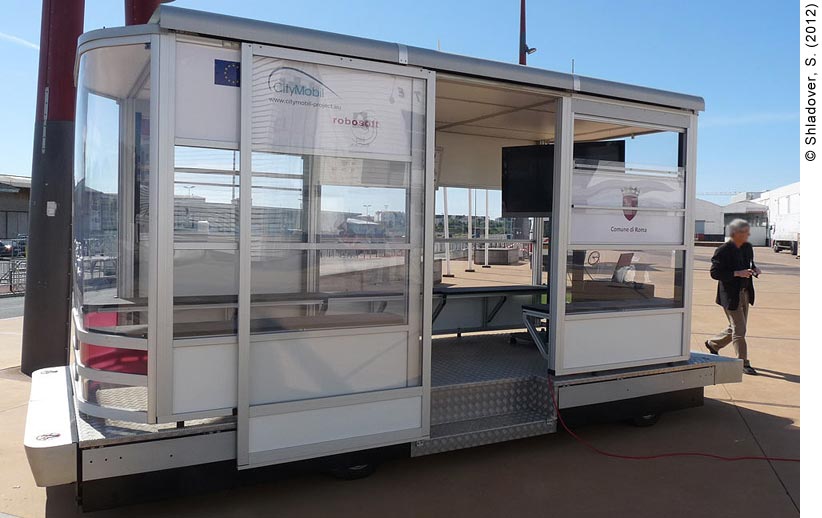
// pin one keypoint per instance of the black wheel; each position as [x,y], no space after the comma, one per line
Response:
[645,420]
[776,249]
[512,340]
[794,249]
[354,472]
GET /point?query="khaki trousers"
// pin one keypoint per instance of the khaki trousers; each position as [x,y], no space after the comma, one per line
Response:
[737,327]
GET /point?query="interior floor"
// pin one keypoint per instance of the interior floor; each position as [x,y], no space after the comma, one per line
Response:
[482,358]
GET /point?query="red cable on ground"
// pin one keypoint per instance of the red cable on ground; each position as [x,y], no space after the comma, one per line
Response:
[651,457]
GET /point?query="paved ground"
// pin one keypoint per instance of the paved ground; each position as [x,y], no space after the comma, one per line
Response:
[550,475]
[11,306]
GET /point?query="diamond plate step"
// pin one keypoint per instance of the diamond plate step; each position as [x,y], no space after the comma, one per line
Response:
[489,398]
[486,430]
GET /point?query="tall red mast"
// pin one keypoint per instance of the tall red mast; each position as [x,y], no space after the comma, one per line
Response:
[48,272]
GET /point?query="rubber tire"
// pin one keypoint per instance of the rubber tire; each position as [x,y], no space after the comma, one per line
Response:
[776,249]
[794,249]
[354,472]
[645,421]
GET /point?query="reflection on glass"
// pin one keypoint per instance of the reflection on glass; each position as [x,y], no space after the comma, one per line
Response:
[617,280]
[206,284]
[111,179]
[358,200]
[206,206]
[298,289]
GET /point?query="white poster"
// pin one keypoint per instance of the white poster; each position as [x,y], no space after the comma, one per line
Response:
[621,219]
[626,227]
[317,109]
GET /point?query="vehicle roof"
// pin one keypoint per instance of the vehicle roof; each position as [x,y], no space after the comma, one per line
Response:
[222,26]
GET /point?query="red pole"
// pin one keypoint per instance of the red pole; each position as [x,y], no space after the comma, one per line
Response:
[139,11]
[523,47]
[60,26]
[48,271]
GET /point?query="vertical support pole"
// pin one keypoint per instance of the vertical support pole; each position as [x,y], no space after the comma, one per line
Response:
[487,223]
[244,299]
[447,233]
[470,268]
[687,161]
[560,224]
[523,47]
[48,275]
[536,255]
[139,11]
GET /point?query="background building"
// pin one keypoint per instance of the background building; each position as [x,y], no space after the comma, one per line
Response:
[14,205]
[773,215]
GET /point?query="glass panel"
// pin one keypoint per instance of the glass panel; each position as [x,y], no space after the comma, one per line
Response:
[206,194]
[353,288]
[337,163]
[206,207]
[635,149]
[114,359]
[278,193]
[631,169]
[207,159]
[205,292]
[596,184]
[121,322]
[111,179]
[278,272]
[205,273]
[623,280]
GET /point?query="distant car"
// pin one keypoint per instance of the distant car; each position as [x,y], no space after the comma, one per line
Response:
[6,249]
[20,245]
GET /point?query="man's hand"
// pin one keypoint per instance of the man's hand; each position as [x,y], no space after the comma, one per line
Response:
[757,272]
[746,274]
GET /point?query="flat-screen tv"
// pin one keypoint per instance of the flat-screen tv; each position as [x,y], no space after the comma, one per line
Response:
[528,175]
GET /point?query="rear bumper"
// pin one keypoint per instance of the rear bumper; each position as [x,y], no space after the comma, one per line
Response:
[50,438]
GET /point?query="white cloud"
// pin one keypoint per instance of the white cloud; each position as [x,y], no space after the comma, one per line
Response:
[19,41]
[751,119]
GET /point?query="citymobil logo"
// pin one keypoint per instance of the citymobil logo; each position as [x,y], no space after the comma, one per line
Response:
[295,82]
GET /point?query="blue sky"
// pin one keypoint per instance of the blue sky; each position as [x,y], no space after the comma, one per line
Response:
[741,57]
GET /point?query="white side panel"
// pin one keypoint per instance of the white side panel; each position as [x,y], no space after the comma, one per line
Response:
[328,424]
[310,367]
[205,378]
[205,110]
[621,339]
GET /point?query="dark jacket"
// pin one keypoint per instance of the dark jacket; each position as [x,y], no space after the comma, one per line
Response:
[726,260]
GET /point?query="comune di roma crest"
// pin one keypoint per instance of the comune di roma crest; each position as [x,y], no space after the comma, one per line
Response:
[630,198]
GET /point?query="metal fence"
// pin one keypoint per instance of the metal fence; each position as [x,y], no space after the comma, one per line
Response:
[12,276]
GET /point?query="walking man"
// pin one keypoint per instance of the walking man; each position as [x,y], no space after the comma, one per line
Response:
[733,267]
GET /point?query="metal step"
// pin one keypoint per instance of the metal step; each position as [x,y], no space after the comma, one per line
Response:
[469,401]
[486,430]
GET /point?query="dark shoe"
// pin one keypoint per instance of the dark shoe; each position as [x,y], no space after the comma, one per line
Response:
[711,349]
[747,369]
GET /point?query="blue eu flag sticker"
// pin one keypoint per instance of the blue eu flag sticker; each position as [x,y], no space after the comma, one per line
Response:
[226,73]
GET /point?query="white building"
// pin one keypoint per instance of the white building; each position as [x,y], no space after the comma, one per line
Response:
[773,215]
[709,224]
[783,216]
